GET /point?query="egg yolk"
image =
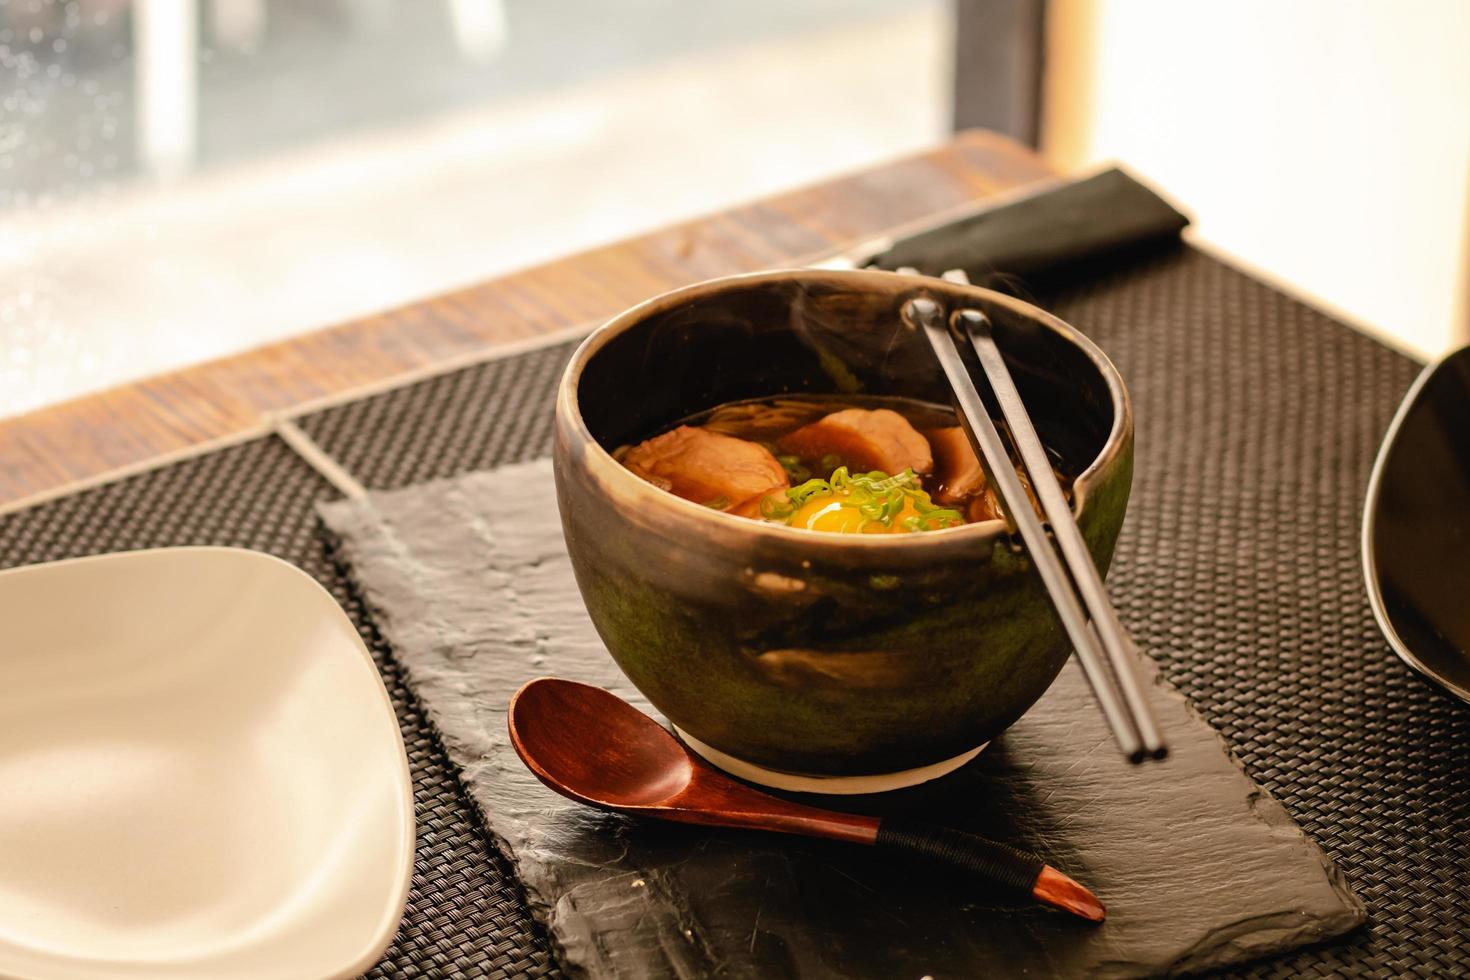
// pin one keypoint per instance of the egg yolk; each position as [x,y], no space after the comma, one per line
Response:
[828,512]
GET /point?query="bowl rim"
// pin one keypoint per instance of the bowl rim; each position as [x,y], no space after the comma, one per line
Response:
[568,407]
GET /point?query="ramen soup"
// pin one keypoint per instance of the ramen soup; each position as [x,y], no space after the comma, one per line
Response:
[844,465]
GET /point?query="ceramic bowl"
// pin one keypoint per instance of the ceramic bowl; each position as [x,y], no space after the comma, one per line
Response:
[790,656]
[202,773]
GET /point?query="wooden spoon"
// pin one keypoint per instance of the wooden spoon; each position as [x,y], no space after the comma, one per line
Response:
[592,746]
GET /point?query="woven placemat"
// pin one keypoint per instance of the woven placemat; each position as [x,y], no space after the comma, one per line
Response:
[1238,568]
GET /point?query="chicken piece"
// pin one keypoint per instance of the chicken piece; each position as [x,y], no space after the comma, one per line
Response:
[985,506]
[866,439]
[706,467]
[957,472]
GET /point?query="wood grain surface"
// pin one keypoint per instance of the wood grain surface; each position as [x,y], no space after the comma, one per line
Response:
[131,425]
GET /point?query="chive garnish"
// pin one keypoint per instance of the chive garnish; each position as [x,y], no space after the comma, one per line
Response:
[878,497]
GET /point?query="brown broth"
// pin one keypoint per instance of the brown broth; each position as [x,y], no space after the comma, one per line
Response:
[766,421]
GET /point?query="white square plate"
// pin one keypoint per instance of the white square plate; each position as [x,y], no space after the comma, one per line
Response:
[201,774]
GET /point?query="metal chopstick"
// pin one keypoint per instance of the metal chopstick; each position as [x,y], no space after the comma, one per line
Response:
[1115,639]
[927,315]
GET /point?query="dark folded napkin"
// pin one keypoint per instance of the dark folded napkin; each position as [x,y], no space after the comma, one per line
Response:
[1198,865]
[1106,217]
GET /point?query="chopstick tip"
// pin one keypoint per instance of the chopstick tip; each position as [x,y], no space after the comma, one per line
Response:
[1142,754]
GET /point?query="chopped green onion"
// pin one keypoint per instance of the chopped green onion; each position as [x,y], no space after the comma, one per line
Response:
[773,510]
[944,516]
[876,496]
[719,503]
[876,481]
[795,472]
[803,492]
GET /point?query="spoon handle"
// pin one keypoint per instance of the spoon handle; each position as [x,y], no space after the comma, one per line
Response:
[1022,874]
[1015,870]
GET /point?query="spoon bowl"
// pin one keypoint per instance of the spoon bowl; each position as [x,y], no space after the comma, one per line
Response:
[633,763]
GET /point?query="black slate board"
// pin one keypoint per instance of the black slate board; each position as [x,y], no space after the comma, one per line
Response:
[1199,866]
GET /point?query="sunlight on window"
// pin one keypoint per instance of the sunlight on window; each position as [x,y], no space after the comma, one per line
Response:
[184,180]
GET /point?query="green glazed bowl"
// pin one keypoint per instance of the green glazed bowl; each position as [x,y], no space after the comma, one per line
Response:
[775,650]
